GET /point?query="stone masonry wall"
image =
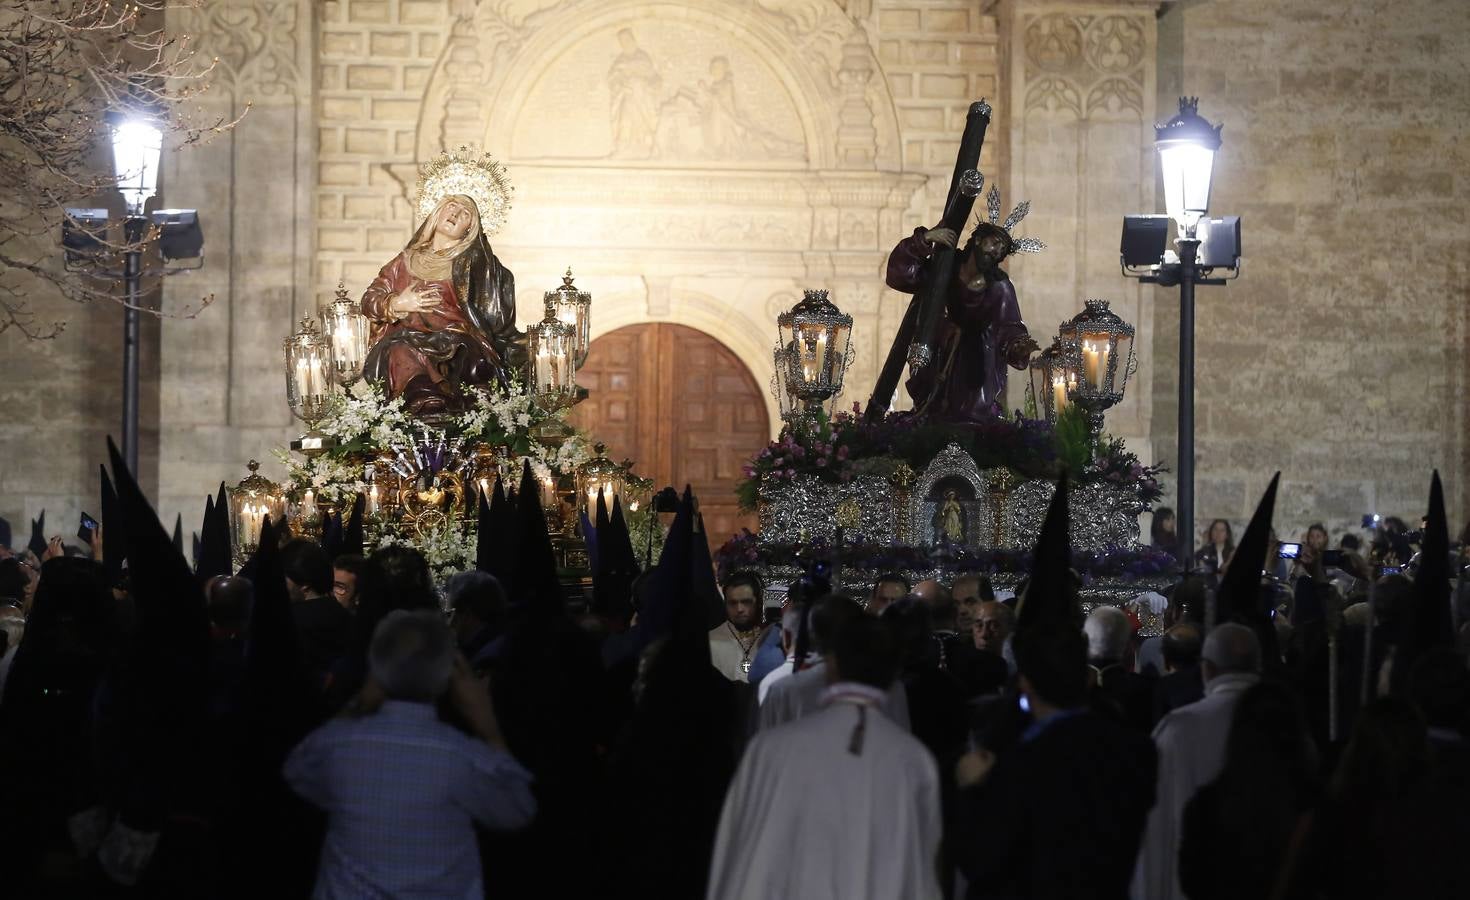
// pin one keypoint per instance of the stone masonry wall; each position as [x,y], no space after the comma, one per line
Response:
[1340,354]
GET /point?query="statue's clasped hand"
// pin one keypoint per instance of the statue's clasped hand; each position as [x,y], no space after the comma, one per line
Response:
[417,300]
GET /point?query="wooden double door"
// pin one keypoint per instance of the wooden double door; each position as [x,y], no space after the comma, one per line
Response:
[683,408]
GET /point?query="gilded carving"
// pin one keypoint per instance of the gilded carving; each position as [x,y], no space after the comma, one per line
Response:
[254,41]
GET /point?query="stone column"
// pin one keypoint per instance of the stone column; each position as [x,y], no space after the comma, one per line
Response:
[1075,121]
[222,389]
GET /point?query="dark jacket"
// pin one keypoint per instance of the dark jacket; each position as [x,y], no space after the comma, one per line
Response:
[1060,815]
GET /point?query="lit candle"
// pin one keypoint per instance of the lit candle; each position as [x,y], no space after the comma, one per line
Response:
[1102,365]
[1089,363]
[372,500]
[544,378]
[1058,394]
[252,516]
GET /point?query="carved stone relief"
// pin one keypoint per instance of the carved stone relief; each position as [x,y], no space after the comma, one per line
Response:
[1069,57]
[254,41]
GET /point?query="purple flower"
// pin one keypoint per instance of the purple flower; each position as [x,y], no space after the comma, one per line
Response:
[798,453]
[842,453]
[821,461]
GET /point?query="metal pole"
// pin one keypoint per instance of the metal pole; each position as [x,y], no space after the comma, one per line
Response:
[133,274]
[1188,249]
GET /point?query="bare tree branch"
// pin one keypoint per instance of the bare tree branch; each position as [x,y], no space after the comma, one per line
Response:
[65,65]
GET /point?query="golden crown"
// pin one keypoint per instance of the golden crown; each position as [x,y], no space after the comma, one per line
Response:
[478,176]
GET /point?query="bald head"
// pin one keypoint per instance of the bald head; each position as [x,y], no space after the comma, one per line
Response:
[940,603]
[1181,646]
[1231,649]
[229,599]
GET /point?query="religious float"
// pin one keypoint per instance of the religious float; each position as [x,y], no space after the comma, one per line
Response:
[421,393]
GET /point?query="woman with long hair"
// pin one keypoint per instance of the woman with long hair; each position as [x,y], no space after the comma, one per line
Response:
[1219,545]
[1161,532]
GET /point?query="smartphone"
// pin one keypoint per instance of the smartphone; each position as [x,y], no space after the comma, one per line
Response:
[1290,551]
[1371,521]
[87,528]
[1025,704]
[1390,570]
[1334,558]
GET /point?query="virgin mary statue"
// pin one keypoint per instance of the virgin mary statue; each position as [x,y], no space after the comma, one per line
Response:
[443,314]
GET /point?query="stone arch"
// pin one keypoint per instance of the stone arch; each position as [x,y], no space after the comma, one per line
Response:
[804,50]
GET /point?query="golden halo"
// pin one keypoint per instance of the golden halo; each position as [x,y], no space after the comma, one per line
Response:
[478,176]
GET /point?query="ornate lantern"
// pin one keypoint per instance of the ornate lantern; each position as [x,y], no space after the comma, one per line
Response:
[573,307]
[815,337]
[309,384]
[599,474]
[1187,145]
[252,501]
[1053,380]
[552,343]
[346,330]
[1099,348]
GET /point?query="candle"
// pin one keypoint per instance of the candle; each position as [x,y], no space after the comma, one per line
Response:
[372,500]
[1058,395]
[1089,363]
[544,377]
[252,517]
[1102,365]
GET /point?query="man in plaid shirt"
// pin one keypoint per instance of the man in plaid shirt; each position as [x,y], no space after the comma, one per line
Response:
[401,789]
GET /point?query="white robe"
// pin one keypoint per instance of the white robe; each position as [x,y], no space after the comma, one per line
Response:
[727,655]
[796,695]
[805,819]
[1191,743]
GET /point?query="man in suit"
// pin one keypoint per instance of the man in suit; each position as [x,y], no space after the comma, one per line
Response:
[1059,815]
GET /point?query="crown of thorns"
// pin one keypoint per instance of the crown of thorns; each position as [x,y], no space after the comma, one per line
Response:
[992,206]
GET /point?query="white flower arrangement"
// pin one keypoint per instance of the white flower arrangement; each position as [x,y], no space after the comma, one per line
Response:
[449,550]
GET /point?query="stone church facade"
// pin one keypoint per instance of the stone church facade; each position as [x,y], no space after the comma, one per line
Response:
[701,162]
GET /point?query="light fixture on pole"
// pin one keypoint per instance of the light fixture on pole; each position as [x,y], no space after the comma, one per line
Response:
[1187,146]
[137,143]
[812,354]
[346,330]
[309,385]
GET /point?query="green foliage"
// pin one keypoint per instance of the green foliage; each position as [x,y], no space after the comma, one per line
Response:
[1074,441]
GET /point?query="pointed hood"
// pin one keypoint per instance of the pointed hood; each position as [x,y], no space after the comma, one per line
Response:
[705,590]
[37,543]
[114,545]
[1238,598]
[171,651]
[1051,591]
[1427,623]
[214,539]
[592,533]
[667,591]
[497,541]
[331,539]
[534,571]
[179,533]
[275,687]
[353,539]
[612,577]
[618,543]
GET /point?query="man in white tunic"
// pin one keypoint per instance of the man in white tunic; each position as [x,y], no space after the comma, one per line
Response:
[796,694]
[841,804]
[1191,743]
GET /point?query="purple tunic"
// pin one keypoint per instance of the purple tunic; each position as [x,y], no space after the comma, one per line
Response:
[967,371]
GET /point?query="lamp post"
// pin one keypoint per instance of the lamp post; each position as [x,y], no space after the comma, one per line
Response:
[136,145]
[1187,145]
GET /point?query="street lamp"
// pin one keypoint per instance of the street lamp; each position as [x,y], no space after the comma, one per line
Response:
[137,143]
[1187,145]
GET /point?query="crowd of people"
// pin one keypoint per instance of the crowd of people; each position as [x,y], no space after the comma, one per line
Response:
[328,722]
